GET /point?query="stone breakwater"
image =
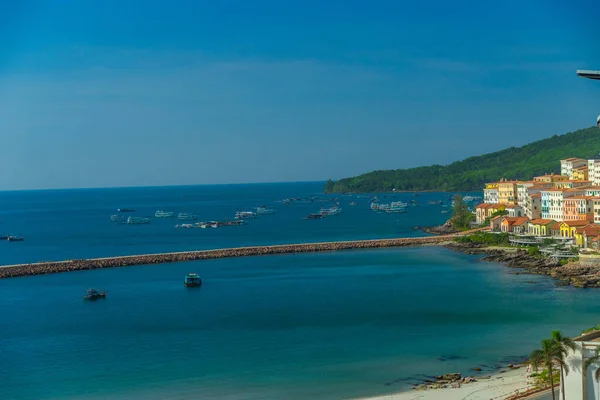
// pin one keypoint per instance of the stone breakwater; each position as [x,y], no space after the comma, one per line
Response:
[41,268]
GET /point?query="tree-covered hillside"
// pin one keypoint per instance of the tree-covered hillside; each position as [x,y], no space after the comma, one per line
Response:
[524,162]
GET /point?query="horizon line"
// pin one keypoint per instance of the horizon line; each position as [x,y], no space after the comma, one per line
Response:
[157,186]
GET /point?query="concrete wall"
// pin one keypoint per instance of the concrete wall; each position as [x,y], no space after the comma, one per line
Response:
[589,260]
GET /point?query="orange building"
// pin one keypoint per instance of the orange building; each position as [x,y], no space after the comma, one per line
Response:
[578,208]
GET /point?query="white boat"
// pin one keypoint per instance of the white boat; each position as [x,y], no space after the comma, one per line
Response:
[471,198]
[137,220]
[245,214]
[163,214]
[186,216]
[335,210]
[383,207]
[187,226]
[117,218]
[374,206]
[263,210]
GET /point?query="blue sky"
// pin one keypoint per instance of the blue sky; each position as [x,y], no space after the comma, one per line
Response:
[127,93]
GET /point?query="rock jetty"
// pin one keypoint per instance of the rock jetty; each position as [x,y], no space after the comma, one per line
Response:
[572,273]
[41,268]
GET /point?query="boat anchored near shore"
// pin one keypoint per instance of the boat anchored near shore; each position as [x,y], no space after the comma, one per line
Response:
[94,294]
[192,280]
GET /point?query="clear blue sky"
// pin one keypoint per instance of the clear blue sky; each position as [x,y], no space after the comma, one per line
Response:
[126,93]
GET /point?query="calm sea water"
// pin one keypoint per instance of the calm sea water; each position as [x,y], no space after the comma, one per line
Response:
[327,325]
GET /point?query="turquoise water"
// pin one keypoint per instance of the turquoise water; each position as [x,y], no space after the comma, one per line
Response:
[327,325]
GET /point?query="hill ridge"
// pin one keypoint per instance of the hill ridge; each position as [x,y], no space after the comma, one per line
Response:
[521,163]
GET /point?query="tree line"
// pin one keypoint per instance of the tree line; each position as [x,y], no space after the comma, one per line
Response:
[522,163]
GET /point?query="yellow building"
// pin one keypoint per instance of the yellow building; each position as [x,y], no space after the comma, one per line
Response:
[580,174]
[550,178]
[507,192]
[571,184]
[541,227]
[569,228]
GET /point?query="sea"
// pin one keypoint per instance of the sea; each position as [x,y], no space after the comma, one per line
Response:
[332,325]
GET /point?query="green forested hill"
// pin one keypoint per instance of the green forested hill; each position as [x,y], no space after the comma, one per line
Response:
[524,162]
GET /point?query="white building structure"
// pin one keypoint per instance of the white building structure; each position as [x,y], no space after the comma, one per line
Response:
[594,172]
[567,166]
[592,191]
[580,383]
[515,211]
[522,191]
[490,196]
[552,202]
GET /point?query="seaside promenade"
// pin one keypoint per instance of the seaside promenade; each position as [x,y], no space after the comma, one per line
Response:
[51,267]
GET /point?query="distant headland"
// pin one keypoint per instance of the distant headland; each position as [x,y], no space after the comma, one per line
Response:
[471,174]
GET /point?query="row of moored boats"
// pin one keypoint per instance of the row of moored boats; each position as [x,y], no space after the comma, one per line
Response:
[326,212]
[240,216]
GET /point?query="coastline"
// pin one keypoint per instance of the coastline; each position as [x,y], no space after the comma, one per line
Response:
[572,274]
[496,386]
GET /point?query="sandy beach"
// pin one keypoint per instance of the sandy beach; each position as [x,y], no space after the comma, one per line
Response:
[498,386]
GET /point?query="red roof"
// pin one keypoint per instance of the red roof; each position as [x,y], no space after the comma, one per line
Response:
[577,222]
[541,221]
[521,220]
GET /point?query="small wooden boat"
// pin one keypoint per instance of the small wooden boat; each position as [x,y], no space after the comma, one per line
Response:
[94,294]
[192,280]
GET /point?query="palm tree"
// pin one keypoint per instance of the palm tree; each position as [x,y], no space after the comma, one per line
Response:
[546,357]
[565,344]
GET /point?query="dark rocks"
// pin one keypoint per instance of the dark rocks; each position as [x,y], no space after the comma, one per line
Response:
[444,229]
[573,273]
[452,377]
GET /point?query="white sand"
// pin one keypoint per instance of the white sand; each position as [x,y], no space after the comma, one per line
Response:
[498,386]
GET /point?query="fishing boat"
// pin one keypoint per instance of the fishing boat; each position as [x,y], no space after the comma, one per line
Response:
[315,216]
[186,216]
[192,280]
[94,294]
[374,206]
[11,238]
[137,220]
[263,210]
[187,226]
[245,214]
[237,222]
[163,214]
[434,202]
[117,218]
[125,209]
[335,210]
[3,237]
